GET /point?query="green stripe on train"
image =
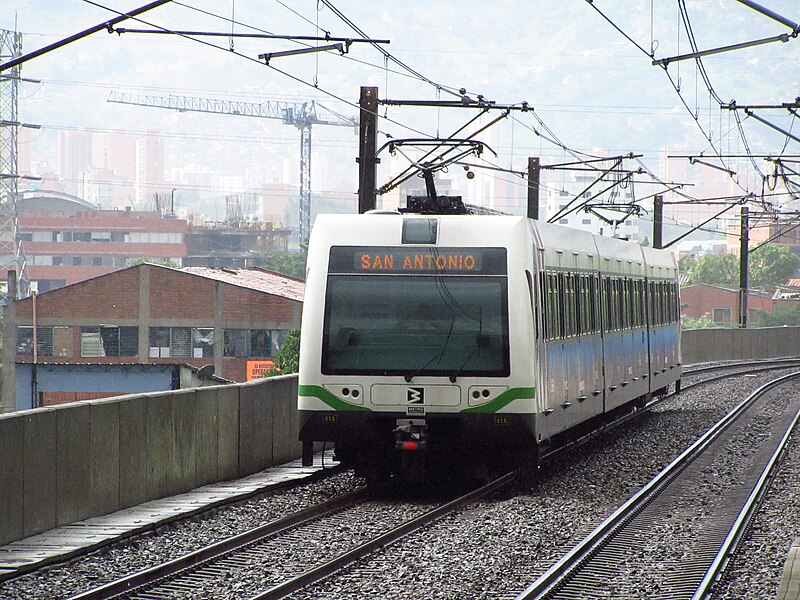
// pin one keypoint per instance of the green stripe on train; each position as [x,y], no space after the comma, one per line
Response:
[317,391]
[502,400]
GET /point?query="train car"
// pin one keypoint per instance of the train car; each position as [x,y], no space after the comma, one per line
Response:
[467,343]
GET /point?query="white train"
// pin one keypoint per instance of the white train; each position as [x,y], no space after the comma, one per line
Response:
[472,342]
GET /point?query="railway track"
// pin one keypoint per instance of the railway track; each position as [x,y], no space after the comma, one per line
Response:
[266,549]
[729,370]
[687,521]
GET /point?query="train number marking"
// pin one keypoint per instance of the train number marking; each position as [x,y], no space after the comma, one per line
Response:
[329,418]
[501,421]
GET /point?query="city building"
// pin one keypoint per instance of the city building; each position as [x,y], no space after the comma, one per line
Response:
[229,322]
[66,240]
[240,247]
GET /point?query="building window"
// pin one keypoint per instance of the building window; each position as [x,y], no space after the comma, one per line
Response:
[563,221]
[236,342]
[170,342]
[109,340]
[44,340]
[202,342]
[159,342]
[586,221]
[45,285]
[62,342]
[722,315]
[253,343]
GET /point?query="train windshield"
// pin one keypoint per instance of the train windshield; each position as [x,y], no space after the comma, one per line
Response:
[450,324]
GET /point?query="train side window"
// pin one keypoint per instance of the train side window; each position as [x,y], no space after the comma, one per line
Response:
[593,300]
[642,304]
[623,302]
[583,321]
[576,283]
[529,279]
[545,296]
[562,305]
[570,280]
[553,308]
[675,303]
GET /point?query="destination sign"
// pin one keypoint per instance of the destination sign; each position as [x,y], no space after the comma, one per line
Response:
[386,260]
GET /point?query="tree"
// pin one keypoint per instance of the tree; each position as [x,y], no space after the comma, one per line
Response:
[783,315]
[286,263]
[768,265]
[771,265]
[722,269]
[703,322]
[288,358]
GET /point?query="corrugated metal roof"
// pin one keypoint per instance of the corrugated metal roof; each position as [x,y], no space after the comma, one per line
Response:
[254,279]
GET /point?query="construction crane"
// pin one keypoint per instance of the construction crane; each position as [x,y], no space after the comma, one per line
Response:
[301,115]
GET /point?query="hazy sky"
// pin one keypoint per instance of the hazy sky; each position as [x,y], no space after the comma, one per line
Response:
[590,86]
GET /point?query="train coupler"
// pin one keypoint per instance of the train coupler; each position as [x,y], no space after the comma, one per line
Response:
[411,434]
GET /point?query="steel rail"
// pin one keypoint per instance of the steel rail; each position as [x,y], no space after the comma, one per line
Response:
[569,564]
[148,576]
[703,368]
[284,589]
[734,537]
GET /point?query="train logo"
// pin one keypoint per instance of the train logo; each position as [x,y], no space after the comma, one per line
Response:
[415,395]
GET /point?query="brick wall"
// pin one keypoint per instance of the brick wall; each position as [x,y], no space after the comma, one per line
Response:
[180,295]
[103,298]
[248,305]
[699,300]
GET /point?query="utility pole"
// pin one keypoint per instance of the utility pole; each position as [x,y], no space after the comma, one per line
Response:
[743,256]
[367,147]
[534,172]
[12,256]
[658,221]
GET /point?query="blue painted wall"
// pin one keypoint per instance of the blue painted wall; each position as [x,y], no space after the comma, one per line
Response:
[125,379]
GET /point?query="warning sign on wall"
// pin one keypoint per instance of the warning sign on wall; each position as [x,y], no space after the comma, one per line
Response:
[256,369]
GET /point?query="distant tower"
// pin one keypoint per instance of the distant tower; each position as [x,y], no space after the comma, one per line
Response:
[11,254]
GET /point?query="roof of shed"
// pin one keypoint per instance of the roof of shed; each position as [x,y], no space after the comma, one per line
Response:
[255,279]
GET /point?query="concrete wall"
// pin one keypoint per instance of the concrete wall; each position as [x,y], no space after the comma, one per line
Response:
[705,345]
[67,463]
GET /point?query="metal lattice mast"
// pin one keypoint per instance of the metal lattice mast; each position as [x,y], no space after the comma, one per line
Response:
[305,182]
[11,253]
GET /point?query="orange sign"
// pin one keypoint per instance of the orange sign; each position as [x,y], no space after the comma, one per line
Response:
[423,261]
[256,369]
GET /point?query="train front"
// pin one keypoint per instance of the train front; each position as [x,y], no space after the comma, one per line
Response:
[406,359]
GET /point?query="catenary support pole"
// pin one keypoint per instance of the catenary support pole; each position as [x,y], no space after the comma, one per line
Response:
[367,147]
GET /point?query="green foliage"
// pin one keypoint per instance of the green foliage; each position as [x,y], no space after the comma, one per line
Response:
[704,322]
[769,265]
[711,269]
[783,315]
[288,358]
[287,263]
